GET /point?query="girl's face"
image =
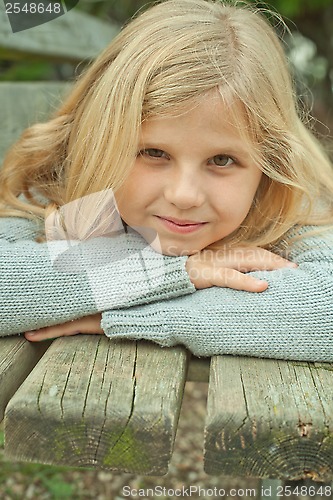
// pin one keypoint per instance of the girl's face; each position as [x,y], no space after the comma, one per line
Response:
[193,181]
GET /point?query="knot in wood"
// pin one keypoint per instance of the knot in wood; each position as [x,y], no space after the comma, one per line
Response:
[304,429]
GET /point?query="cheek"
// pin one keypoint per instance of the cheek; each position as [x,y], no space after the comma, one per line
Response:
[235,200]
[133,196]
[127,191]
[249,189]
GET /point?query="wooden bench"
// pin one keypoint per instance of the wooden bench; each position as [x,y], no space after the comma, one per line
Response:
[88,402]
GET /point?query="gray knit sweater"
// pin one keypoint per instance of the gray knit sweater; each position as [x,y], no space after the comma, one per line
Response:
[144,295]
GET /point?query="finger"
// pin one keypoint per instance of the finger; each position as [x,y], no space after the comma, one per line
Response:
[230,278]
[51,332]
[38,336]
[253,259]
[268,261]
[88,324]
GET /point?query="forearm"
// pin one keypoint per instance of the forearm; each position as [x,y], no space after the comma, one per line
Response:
[292,319]
[41,286]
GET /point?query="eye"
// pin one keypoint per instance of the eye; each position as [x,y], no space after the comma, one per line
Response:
[153,153]
[221,161]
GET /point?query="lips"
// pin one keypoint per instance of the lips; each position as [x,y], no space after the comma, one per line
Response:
[182,222]
[180,226]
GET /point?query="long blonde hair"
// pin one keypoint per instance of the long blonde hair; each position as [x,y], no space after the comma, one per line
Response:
[166,58]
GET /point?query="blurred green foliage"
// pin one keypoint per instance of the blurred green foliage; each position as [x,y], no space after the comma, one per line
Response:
[293,8]
[44,479]
[121,11]
[24,70]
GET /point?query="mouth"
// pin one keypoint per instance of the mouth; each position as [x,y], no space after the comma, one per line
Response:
[181,225]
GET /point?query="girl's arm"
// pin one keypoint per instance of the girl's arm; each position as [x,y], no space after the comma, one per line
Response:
[45,284]
[292,319]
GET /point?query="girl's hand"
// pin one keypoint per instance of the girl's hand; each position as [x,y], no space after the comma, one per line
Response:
[88,324]
[226,267]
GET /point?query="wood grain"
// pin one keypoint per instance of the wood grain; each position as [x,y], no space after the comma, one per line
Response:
[269,418]
[17,359]
[92,402]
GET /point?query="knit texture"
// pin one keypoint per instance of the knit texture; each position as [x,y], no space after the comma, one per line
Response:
[144,295]
[292,319]
[43,284]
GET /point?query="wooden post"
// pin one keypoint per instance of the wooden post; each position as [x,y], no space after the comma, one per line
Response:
[73,37]
[92,402]
[270,419]
[25,103]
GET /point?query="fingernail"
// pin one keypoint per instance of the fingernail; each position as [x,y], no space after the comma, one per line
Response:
[32,332]
[259,282]
[291,264]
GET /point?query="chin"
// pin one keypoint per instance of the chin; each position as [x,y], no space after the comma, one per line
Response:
[157,244]
[175,251]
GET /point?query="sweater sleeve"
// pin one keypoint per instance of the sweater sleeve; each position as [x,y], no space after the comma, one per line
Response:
[292,319]
[44,284]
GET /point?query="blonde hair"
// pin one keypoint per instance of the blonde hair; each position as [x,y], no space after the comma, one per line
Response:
[160,63]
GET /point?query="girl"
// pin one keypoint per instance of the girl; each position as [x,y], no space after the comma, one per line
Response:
[176,196]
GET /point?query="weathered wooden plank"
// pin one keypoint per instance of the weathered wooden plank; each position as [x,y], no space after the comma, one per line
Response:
[25,103]
[92,402]
[74,37]
[269,419]
[17,359]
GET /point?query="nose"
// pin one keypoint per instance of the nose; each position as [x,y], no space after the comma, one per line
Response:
[184,190]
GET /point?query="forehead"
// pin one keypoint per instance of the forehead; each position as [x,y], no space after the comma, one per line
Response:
[211,112]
